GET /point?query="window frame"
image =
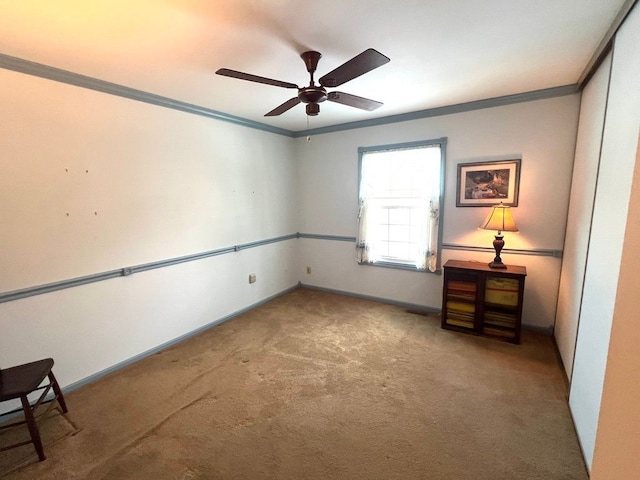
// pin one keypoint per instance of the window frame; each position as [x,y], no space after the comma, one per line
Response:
[442,143]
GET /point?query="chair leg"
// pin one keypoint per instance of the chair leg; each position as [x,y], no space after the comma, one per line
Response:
[33,428]
[58,392]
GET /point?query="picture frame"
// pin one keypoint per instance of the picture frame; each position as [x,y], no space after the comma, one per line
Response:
[482,184]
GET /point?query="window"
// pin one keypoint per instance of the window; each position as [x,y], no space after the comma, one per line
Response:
[400,196]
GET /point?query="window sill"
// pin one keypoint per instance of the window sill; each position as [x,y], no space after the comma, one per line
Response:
[400,266]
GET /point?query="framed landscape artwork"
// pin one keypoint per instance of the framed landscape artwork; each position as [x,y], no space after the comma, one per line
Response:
[483,184]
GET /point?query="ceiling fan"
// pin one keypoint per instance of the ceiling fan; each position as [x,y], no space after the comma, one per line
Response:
[315,94]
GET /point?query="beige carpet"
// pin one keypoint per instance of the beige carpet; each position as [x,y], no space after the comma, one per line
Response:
[320,386]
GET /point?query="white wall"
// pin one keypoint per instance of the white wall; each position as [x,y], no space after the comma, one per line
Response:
[618,157]
[140,184]
[541,132]
[160,183]
[583,186]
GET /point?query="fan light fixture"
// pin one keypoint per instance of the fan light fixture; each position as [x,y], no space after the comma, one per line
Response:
[500,219]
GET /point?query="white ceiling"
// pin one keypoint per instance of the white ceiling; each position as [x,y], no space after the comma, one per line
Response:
[443,52]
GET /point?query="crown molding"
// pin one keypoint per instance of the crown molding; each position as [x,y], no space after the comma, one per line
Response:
[448,110]
[71,78]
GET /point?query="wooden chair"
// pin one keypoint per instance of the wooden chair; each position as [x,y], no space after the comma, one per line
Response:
[22,380]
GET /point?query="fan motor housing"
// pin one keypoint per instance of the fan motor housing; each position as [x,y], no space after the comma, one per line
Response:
[312,94]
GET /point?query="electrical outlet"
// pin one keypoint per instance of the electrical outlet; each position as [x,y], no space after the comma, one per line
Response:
[308,270]
[252,278]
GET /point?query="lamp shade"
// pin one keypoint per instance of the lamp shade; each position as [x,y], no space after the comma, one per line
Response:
[500,219]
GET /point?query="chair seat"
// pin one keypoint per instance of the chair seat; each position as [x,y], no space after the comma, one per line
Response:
[23,379]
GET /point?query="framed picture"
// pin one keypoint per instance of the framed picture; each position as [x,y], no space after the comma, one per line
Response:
[488,183]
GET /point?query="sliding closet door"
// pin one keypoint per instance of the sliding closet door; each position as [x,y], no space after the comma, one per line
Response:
[583,186]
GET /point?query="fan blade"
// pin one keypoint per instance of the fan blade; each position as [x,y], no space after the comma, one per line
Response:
[254,78]
[358,65]
[284,107]
[354,101]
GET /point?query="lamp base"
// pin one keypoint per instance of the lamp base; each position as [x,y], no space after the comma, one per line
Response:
[498,243]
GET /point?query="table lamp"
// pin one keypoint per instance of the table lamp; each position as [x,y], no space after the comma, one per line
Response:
[500,219]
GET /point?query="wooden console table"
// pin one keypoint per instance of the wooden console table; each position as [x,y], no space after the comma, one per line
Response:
[483,301]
